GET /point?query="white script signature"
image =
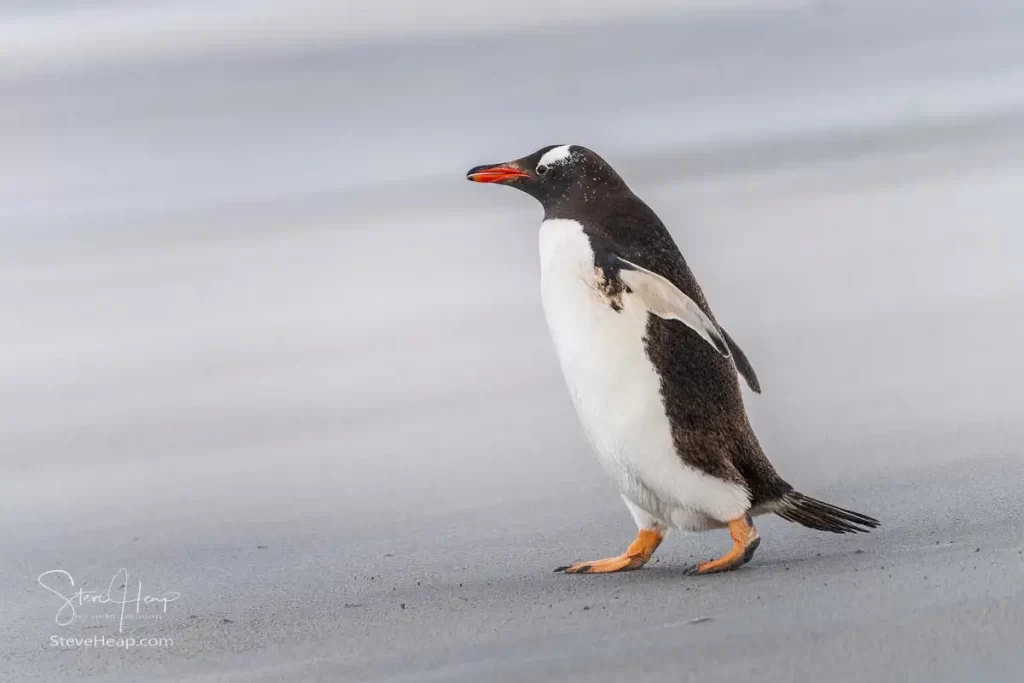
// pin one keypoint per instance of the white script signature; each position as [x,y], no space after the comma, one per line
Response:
[54,579]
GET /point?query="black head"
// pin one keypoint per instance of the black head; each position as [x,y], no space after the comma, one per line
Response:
[555,176]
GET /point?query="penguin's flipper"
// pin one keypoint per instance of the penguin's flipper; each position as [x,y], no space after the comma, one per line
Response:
[665,300]
[742,364]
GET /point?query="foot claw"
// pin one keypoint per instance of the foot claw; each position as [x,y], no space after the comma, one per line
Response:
[612,564]
[696,570]
[749,552]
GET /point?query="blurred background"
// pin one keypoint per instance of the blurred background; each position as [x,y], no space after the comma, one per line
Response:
[262,342]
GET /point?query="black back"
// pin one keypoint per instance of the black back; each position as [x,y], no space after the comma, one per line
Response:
[700,387]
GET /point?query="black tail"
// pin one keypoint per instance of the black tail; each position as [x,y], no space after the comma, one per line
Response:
[796,507]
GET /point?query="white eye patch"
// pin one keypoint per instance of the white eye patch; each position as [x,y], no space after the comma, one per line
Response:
[558,155]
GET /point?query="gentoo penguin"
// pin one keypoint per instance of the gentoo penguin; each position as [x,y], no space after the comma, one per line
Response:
[652,375]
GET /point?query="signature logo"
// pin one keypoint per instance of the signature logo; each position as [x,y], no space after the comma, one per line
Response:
[62,584]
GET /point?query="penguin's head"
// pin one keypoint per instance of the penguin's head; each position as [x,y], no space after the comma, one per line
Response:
[553,174]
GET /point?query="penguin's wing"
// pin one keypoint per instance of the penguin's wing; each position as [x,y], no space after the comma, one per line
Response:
[665,300]
[742,364]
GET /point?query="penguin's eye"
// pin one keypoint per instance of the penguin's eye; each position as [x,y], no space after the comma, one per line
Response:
[542,169]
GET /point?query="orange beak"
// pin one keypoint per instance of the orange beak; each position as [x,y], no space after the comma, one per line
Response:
[495,174]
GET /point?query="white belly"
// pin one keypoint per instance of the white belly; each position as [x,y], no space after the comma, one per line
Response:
[617,392]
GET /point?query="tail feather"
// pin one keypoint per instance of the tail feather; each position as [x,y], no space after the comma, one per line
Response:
[815,514]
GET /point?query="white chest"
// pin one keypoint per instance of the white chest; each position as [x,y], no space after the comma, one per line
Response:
[601,350]
[614,385]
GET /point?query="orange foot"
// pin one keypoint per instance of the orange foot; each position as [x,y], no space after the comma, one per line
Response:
[745,540]
[636,556]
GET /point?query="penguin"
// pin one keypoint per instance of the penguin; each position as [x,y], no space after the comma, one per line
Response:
[652,375]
